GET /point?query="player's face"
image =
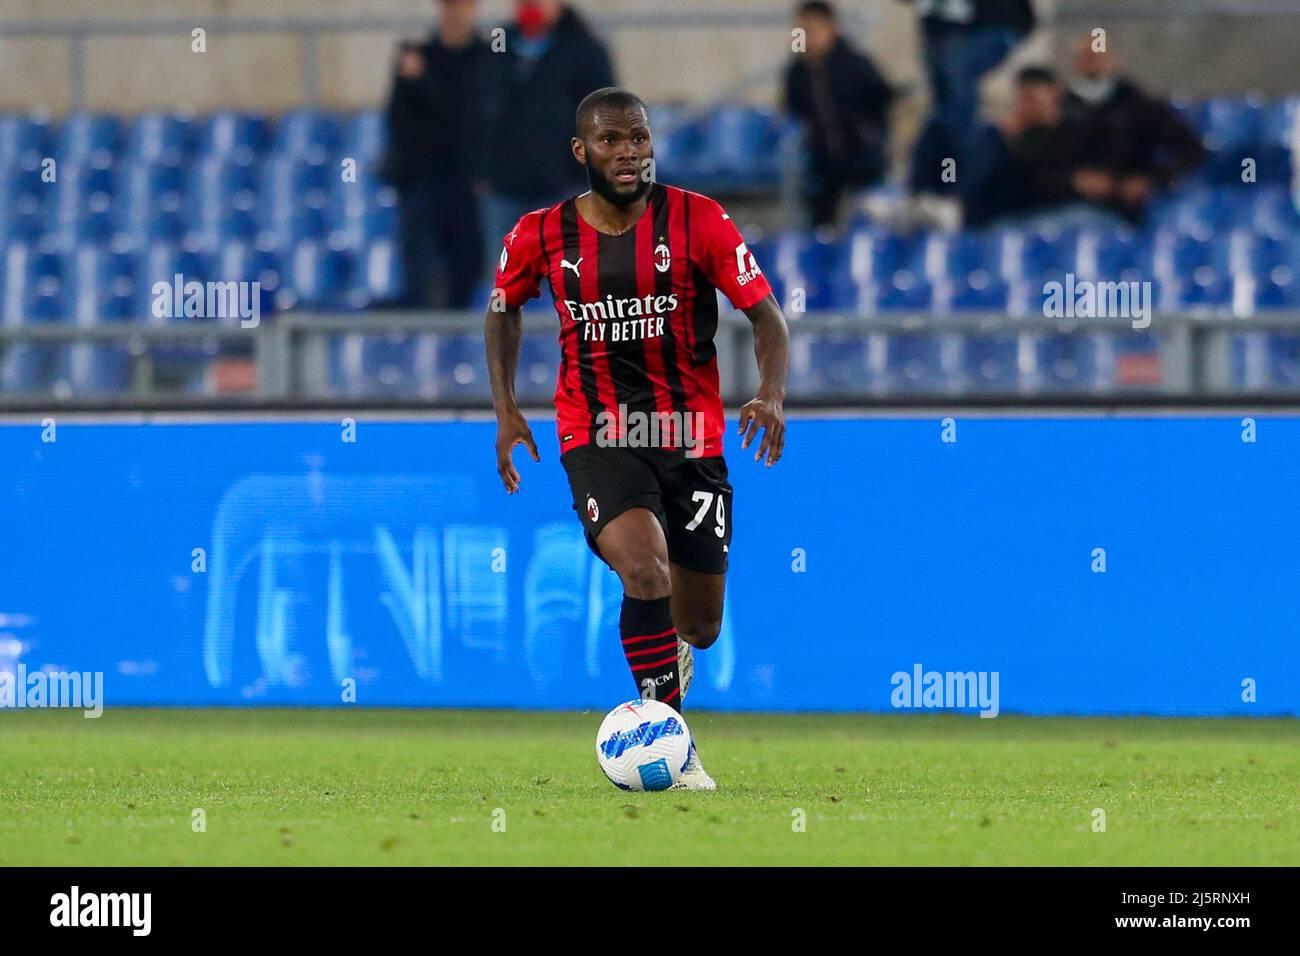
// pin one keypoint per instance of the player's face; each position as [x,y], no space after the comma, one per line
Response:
[616,151]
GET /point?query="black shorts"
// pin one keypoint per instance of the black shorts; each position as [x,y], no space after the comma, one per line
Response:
[691,497]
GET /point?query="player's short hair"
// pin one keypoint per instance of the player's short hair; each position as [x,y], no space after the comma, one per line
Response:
[1036,75]
[609,97]
[815,8]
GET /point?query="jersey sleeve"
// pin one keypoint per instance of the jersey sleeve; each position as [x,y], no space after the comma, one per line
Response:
[521,268]
[725,259]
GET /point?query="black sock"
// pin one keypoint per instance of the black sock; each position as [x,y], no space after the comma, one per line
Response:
[650,645]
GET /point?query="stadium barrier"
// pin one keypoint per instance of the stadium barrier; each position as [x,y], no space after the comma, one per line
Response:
[416,360]
[1039,564]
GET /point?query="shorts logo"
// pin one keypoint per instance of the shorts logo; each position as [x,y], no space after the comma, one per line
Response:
[593,510]
[663,258]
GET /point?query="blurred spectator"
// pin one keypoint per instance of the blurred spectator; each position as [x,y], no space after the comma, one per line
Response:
[962,40]
[844,104]
[1025,164]
[550,61]
[1131,144]
[430,124]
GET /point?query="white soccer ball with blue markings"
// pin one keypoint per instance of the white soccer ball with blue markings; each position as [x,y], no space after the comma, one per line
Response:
[643,745]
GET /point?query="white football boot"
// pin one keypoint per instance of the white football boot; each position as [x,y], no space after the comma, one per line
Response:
[694,776]
[685,665]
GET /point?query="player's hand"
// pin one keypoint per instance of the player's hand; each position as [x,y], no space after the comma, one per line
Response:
[767,414]
[512,430]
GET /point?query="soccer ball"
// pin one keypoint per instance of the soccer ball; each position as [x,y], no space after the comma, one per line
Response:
[643,745]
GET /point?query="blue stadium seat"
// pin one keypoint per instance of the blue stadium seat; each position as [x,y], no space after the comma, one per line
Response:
[920,363]
[741,146]
[24,141]
[816,267]
[151,203]
[977,291]
[241,261]
[539,363]
[397,365]
[1037,255]
[1176,255]
[903,291]
[1265,361]
[162,262]
[83,208]
[824,364]
[99,369]
[364,137]
[318,277]
[991,363]
[461,367]
[378,275]
[1276,291]
[229,136]
[946,256]
[223,200]
[159,139]
[875,255]
[35,368]
[679,148]
[311,135]
[88,139]
[1124,254]
[1259,255]
[1203,291]
[1067,362]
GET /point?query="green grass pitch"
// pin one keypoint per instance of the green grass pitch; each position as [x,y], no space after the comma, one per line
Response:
[416,787]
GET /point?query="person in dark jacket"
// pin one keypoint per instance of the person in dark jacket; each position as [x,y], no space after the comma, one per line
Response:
[962,40]
[1025,164]
[430,112]
[843,103]
[1132,144]
[549,62]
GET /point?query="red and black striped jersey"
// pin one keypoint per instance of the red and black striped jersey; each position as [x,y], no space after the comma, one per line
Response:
[638,311]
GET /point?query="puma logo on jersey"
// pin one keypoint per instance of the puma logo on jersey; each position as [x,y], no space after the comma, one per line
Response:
[566,264]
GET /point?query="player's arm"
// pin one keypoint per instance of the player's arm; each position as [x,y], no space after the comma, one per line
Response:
[503,331]
[766,409]
[517,280]
[727,262]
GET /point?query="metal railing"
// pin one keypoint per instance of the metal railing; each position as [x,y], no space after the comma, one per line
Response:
[290,357]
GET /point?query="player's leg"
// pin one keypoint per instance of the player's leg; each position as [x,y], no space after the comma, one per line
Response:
[697,604]
[697,511]
[697,508]
[633,544]
[697,614]
[617,495]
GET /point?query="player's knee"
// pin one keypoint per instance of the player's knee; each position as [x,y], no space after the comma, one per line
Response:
[699,633]
[646,578]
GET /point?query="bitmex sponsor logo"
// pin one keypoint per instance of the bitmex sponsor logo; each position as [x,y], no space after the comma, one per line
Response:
[180,299]
[133,910]
[956,690]
[635,429]
[70,689]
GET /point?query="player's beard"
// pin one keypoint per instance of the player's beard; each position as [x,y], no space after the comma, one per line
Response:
[605,188]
